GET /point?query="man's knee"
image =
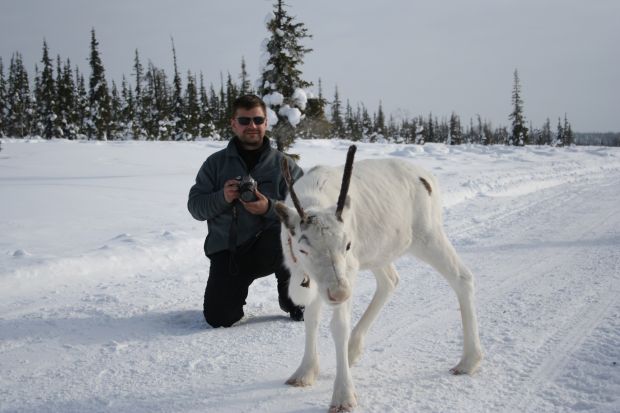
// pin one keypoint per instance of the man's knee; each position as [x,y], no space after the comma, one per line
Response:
[221,317]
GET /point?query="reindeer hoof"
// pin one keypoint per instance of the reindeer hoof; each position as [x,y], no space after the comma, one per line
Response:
[341,408]
[303,378]
[299,382]
[467,366]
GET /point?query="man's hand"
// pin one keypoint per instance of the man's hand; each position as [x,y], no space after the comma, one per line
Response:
[231,190]
[258,207]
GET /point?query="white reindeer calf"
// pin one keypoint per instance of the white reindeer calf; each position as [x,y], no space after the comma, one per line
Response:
[391,208]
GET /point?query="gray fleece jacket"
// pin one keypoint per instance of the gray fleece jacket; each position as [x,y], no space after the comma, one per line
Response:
[206,198]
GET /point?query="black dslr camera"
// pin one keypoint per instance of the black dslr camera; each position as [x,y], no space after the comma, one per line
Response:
[247,186]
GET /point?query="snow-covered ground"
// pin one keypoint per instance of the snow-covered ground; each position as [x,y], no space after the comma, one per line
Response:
[102,277]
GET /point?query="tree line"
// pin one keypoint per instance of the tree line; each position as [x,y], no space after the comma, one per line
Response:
[151,105]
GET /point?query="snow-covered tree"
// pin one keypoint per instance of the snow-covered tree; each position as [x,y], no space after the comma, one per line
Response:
[455,136]
[192,108]
[519,130]
[245,86]
[559,134]
[2,100]
[281,84]
[45,96]
[19,102]
[138,129]
[99,117]
[379,124]
[338,130]
[115,127]
[206,121]
[127,110]
[314,124]
[66,101]
[81,103]
[156,100]
[352,123]
[569,137]
[546,135]
[178,109]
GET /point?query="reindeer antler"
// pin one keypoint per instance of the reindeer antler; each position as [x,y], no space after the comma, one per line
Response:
[289,182]
[346,180]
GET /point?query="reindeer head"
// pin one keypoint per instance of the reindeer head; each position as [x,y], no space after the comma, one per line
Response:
[318,241]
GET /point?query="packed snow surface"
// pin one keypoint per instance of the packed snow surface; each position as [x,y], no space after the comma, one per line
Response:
[102,278]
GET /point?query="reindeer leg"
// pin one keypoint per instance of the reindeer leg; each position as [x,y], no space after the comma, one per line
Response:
[309,368]
[387,279]
[343,398]
[440,254]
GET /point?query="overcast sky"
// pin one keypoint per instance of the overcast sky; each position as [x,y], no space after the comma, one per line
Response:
[416,56]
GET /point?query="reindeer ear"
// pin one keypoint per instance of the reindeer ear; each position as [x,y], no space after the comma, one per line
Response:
[286,215]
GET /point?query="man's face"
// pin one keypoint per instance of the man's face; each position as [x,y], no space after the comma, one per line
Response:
[251,135]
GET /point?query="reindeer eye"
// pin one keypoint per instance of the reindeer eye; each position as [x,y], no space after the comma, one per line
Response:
[348,246]
[303,252]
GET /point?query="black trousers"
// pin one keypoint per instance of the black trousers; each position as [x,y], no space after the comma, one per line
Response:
[231,276]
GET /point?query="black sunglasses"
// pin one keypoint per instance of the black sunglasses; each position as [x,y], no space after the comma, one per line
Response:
[245,120]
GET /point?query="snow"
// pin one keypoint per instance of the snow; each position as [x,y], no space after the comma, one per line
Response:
[274,99]
[102,279]
[300,98]
[293,115]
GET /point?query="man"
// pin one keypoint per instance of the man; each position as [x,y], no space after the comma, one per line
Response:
[243,243]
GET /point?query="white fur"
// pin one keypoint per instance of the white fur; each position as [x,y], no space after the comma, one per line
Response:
[389,212]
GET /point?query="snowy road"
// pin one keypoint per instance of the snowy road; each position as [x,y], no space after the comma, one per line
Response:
[117,327]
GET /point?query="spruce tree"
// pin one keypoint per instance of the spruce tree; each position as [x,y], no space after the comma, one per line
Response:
[178,112]
[231,94]
[138,129]
[456,134]
[429,130]
[569,137]
[315,124]
[379,124]
[19,101]
[156,100]
[3,103]
[214,109]
[127,111]
[99,117]
[245,85]
[559,135]
[546,135]
[352,123]
[519,131]
[366,123]
[281,82]
[67,101]
[192,108]
[45,94]
[115,129]
[338,130]
[81,104]
[206,122]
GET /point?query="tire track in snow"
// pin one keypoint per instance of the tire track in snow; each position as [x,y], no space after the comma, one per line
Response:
[546,364]
[439,310]
[530,276]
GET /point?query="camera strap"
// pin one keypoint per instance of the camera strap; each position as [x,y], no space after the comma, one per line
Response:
[232,239]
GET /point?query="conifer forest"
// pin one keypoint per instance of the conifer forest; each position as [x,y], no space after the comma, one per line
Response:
[57,100]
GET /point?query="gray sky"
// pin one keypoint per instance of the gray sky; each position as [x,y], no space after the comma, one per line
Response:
[416,57]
